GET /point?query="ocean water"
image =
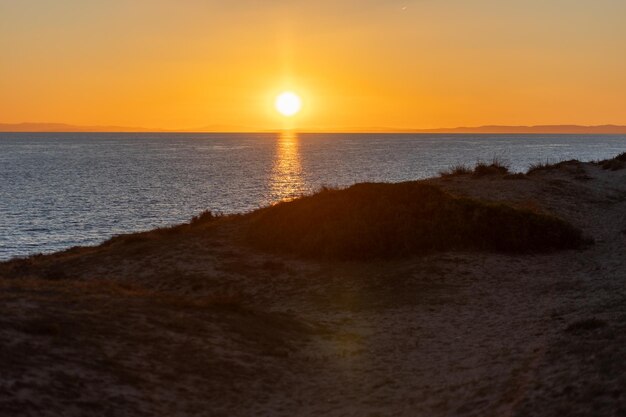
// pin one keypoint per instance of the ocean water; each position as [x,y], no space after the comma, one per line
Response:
[59,190]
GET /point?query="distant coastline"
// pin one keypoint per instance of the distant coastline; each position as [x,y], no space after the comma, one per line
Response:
[495,129]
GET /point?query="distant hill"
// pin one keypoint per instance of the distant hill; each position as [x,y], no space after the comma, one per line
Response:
[62,127]
[573,129]
[611,129]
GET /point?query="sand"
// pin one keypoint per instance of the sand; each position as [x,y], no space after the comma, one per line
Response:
[202,325]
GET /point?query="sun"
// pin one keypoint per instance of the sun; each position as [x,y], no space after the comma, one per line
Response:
[288,103]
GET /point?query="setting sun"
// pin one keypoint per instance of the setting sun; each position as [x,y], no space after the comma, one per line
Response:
[288,103]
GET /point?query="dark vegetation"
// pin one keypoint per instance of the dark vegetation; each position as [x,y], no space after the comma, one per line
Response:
[542,166]
[482,169]
[456,171]
[196,223]
[572,167]
[394,220]
[615,164]
[135,246]
[576,167]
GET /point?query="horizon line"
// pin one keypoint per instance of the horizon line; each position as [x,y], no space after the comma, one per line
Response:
[45,127]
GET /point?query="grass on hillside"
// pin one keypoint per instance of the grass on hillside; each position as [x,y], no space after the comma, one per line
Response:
[572,165]
[197,222]
[393,220]
[614,164]
[481,169]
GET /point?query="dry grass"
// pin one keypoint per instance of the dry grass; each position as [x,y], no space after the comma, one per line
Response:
[456,171]
[197,222]
[615,164]
[480,170]
[496,167]
[395,220]
[572,167]
[542,166]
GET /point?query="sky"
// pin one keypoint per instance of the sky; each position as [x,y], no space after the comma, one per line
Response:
[357,64]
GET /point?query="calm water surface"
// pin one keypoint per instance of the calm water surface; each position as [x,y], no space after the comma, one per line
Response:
[59,190]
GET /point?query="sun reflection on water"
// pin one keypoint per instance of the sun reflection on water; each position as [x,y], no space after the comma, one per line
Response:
[286,181]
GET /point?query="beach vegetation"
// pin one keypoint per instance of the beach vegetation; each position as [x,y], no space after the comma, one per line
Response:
[455,171]
[375,220]
[481,169]
[615,164]
[572,166]
[495,167]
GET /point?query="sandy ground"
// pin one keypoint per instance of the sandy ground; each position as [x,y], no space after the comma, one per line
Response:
[201,325]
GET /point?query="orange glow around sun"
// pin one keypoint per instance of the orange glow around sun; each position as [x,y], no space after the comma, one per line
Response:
[350,65]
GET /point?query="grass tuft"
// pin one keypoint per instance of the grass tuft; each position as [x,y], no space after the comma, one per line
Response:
[206,216]
[496,167]
[456,171]
[482,169]
[540,166]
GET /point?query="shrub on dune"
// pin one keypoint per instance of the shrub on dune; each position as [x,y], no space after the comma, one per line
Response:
[394,220]
[496,167]
[615,164]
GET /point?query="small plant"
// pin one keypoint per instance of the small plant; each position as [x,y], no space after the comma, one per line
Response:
[482,169]
[456,171]
[204,217]
[496,167]
[542,166]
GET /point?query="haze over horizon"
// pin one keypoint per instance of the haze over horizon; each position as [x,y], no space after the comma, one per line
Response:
[404,65]
[498,129]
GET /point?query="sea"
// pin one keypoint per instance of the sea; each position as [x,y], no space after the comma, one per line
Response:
[59,190]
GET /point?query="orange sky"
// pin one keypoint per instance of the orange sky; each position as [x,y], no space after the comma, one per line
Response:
[357,64]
